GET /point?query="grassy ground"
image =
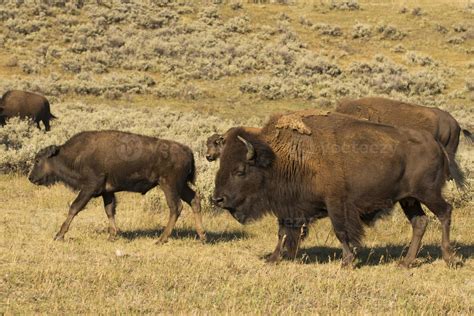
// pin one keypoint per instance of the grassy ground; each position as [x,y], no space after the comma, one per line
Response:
[89,274]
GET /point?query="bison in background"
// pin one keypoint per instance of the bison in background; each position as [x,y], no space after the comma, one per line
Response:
[216,142]
[100,163]
[25,105]
[347,169]
[437,122]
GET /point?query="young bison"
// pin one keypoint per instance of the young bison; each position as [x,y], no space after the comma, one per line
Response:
[25,105]
[100,163]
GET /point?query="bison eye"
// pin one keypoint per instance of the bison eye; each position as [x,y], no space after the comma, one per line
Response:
[239,172]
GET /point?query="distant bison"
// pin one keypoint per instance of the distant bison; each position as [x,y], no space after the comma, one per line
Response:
[216,142]
[348,169]
[25,105]
[437,122]
[100,163]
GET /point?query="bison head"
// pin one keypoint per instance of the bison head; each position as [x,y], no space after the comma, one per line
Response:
[42,172]
[214,146]
[240,184]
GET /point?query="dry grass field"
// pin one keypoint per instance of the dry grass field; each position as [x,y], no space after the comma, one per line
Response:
[184,71]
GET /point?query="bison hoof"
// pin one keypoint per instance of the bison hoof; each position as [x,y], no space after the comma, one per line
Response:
[272,259]
[454,262]
[161,241]
[59,238]
[403,264]
[203,239]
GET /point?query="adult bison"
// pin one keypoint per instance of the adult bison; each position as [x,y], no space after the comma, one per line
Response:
[437,122]
[100,163]
[25,105]
[347,169]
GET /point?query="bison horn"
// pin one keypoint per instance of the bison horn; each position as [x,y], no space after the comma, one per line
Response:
[250,149]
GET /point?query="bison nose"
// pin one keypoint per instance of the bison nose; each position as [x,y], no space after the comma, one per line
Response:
[209,158]
[219,201]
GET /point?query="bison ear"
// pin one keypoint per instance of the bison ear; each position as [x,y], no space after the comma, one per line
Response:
[265,157]
[51,151]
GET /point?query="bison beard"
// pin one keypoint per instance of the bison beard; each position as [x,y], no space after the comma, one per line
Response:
[104,162]
[350,170]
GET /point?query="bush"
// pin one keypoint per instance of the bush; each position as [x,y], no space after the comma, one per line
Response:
[326,29]
[363,31]
[390,32]
[348,5]
[418,59]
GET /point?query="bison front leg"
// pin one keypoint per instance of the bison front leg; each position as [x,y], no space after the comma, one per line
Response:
[293,241]
[109,206]
[175,206]
[78,205]
[276,255]
[192,199]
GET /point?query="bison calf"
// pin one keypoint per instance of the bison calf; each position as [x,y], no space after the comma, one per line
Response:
[100,163]
[25,105]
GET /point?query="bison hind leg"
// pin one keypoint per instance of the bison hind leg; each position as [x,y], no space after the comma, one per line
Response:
[419,221]
[443,210]
[192,198]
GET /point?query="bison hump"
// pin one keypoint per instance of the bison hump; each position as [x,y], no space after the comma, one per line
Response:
[294,122]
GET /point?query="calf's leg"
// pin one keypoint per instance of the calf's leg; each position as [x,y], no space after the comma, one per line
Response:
[46,125]
[175,206]
[192,199]
[419,221]
[78,205]
[109,206]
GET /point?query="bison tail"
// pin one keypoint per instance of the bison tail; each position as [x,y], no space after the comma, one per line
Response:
[454,170]
[192,171]
[52,117]
[468,136]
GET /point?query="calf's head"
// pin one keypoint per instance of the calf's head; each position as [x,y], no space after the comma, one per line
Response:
[214,146]
[241,181]
[43,172]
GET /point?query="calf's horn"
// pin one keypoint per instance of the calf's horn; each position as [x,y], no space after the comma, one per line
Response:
[250,149]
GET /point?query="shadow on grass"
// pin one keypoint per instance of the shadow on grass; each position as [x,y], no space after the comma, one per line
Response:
[182,233]
[379,255]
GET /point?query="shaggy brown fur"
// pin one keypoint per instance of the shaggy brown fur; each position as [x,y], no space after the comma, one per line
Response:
[294,120]
[25,105]
[100,163]
[347,169]
[437,122]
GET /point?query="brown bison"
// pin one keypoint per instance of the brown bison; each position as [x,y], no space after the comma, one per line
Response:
[100,163]
[216,142]
[437,122]
[347,169]
[25,105]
